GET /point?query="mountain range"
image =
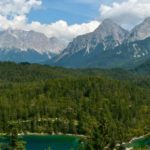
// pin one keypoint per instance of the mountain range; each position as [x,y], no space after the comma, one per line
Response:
[30,46]
[109,46]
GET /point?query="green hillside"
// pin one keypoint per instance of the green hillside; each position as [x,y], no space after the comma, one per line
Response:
[114,104]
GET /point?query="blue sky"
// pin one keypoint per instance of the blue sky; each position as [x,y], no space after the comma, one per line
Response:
[66,19]
[71,11]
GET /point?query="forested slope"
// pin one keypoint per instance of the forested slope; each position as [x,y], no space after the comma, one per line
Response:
[36,98]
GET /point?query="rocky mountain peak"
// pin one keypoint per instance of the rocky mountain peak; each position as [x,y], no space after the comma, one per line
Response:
[109,28]
[147,20]
[141,31]
[107,36]
[107,23]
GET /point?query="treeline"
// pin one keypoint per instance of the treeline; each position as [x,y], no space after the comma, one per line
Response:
[25,72]
[103,106]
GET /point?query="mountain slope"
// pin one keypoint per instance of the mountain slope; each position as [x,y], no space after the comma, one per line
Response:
[107,36]
[16,55]
[127,55]
[143,68]
[24,40]
[29,46]
[109,46]
[140,32]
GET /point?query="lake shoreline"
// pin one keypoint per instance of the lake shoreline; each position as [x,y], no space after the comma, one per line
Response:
[133,139]
[69,134]
[42,134]
[74,135]
[136,138]
[140,137]
[41,141]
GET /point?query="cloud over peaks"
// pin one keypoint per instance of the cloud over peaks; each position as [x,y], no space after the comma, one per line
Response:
[128,13]
[13,14]
[62,30]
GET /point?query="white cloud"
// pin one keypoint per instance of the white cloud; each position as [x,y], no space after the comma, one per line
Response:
[59,29]
[62,30]
[128,13]
[12,8]
[13,14]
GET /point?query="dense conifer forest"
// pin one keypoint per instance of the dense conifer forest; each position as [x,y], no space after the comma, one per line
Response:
[107,106]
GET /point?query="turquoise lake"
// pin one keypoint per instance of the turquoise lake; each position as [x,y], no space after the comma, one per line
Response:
[140,143]
[35,142]
[45,141]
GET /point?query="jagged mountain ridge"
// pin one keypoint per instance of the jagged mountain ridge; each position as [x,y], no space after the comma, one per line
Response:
[108,46]
[29,46]
[25,40]
[140,32]
[108,34]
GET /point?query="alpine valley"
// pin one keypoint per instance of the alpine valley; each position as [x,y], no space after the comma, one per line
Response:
[98,99]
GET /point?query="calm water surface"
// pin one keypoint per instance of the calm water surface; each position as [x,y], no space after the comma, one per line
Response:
[35,142]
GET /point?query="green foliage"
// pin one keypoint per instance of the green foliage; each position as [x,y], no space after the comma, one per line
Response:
[144,148]
[108,107]
[15,142]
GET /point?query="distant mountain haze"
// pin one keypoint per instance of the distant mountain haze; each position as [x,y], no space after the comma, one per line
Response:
[30,46]
[24,40]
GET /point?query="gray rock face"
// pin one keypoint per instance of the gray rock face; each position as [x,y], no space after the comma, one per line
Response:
[109,46]
[140,32]
[25,40]
[108,34]
[108,31]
